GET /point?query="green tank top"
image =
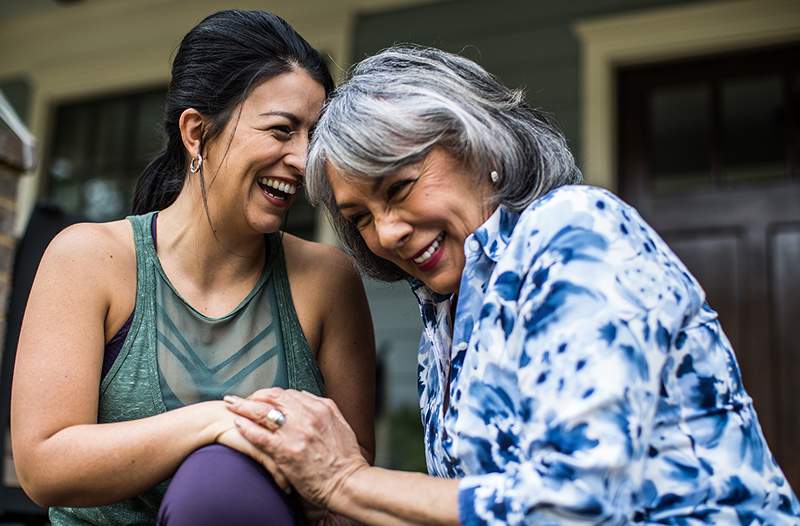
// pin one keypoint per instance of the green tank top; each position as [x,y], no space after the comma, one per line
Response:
[173,356]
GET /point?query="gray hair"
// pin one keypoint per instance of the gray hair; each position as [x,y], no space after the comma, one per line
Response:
[399,104]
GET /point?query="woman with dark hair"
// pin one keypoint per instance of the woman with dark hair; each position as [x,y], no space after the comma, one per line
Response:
[570,370]
[136,329]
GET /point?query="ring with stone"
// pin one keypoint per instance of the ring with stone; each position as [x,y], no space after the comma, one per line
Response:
[276,417]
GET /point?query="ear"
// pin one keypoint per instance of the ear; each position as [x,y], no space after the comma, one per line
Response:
[191,123]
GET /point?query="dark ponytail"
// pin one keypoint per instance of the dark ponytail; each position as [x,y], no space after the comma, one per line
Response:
[161,180]
[216,67]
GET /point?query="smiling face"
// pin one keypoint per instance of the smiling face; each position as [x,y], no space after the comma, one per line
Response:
[253,169]
[419,217]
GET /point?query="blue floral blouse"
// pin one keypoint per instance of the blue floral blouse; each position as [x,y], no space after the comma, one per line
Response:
[589,380]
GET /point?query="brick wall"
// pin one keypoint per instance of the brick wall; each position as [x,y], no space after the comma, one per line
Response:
[12,165]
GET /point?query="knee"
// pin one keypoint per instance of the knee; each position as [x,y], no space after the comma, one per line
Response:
[217,485]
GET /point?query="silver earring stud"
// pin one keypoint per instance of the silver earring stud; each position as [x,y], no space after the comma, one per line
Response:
[495,176]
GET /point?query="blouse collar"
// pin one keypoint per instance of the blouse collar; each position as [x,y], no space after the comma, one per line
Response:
[492,237]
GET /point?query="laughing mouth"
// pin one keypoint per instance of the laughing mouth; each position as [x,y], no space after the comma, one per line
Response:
[430,251]
[277,188]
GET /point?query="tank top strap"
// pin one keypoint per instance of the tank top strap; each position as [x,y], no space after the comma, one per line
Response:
[142,329]
[302,368]
[143,241]
[144,282]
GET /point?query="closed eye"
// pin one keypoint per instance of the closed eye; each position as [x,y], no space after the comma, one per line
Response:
[395,190]
[282,133]
[360,220]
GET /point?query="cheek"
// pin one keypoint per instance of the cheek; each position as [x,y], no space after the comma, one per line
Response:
[371,240]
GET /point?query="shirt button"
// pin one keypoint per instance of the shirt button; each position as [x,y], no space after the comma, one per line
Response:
[474,245]
[462,346]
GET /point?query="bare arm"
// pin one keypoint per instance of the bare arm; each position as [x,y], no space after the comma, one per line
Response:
[338,477]
[62,455]
[347,352]
[332,307]
[380,496]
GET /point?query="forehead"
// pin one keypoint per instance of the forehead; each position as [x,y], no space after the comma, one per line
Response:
[294,91]
[349,188]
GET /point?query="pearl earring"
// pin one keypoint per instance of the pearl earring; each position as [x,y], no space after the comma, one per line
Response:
[494,176]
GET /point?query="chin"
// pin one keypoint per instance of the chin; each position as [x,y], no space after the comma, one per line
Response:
[266,224]
[441,286]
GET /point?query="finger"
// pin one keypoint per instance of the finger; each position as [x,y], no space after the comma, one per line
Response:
[305,403]
[261,438]
[264,414]
[245,446]
[234,439]
[310,400]
[276,472]
[303,397]
[266,395]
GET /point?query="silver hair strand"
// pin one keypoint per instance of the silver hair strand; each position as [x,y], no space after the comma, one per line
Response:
[397,105]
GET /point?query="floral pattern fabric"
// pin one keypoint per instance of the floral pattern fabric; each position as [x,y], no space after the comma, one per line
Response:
[589,381]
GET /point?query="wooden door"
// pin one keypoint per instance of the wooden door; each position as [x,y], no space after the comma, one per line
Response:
[710,155]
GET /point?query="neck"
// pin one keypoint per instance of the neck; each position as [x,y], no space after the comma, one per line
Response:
[211,253]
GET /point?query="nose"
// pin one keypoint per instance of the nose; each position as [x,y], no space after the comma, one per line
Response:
[297,149]
[392,232]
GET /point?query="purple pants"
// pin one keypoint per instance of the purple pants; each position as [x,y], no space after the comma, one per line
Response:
[216,485]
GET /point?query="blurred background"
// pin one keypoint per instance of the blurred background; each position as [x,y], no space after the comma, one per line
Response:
[690,110]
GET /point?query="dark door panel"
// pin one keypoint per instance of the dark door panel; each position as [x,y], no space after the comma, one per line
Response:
[714,258]
[785,291]
[708,154]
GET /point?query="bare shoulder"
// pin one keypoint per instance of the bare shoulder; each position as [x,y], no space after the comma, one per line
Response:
[318,262]
[89,240]
[92,249]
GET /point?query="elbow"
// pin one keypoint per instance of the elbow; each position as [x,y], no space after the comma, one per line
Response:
[45,495]
[35,490]
[41,488]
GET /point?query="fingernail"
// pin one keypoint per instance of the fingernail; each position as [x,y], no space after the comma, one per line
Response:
[238,422]
[230,399]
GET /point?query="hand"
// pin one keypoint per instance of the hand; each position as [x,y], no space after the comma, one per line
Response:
[223,431]
[234,440]
[334,519]
[316,449]
[322,517]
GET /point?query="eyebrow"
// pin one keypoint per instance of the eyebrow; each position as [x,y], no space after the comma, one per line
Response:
[294,119]
[376,185]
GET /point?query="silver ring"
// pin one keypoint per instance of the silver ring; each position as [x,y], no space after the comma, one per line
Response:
[276,417]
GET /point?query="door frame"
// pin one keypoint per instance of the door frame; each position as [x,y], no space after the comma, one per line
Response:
[659,35]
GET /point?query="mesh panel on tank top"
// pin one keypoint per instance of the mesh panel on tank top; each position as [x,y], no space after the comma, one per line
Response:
[201,358]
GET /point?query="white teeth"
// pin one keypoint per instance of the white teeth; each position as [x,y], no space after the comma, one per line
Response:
[430,250]
[277,184]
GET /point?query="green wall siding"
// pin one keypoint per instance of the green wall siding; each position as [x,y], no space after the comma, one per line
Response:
[528,44]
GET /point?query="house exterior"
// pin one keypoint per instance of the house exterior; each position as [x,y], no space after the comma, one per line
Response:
[17,156]
[688,109]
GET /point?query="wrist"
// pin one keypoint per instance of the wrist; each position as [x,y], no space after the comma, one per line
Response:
[213,422]
[353,491]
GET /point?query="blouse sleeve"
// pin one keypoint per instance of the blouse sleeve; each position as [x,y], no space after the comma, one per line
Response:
[594,309]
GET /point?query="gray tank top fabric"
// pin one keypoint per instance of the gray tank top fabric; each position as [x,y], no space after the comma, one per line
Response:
[173,356]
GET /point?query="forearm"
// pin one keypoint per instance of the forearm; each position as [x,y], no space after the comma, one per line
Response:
[378,496]
[95,464]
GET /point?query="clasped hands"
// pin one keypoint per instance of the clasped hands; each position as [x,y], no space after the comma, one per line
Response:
[314,450]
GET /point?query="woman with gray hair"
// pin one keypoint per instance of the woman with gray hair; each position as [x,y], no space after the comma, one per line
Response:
[570,369]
